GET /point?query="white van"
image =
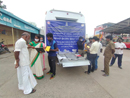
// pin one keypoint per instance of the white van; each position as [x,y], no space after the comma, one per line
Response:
[66,27]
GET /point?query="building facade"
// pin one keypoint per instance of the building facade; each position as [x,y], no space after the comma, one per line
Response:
[11,28]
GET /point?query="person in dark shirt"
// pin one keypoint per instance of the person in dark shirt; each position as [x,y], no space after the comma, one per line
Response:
[80,45]
[52,55]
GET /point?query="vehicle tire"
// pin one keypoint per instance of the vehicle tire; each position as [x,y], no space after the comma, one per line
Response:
[7,49]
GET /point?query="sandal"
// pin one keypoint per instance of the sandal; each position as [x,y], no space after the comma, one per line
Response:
[48,73]
[33,91]
[44,69]
[52,76]
[105,75]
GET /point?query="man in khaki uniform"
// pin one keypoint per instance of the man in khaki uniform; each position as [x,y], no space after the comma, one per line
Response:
[108,54]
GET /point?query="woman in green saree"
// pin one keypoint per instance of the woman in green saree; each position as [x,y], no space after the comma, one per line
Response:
[36,58]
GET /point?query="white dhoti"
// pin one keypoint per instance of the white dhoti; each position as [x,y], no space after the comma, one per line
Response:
[26,80]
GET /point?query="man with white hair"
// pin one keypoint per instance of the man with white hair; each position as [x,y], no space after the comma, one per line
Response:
[26,80]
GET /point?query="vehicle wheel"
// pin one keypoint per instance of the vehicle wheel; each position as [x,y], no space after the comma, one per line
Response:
[7,49]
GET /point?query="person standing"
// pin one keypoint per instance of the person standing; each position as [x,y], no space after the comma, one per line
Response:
[119,46]
[90,42]
[86,48]
[108,54]
[52,55]
[36,58]
[93,54]
[98,54]
[80,44]
[41,41]
[26,80]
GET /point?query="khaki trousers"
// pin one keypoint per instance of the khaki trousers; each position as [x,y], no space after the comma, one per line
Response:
[106,64]
[81,52]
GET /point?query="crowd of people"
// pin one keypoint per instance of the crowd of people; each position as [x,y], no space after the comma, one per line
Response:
[93,48]
[27,72]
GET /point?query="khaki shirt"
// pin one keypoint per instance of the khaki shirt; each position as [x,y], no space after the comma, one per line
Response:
[108,50]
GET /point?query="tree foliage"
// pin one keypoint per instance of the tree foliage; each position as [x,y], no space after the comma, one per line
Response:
[2,5]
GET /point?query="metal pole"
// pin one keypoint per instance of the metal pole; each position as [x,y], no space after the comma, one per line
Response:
[13,36]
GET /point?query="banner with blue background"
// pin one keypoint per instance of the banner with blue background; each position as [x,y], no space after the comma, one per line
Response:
[65,33]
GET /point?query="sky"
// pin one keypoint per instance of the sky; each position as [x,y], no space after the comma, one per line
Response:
[96,12]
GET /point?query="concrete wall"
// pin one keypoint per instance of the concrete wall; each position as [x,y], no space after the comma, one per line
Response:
[7,37]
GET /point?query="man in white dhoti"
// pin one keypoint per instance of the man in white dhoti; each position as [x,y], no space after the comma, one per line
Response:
[26,80]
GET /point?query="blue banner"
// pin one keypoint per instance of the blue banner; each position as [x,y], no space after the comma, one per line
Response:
[65,33]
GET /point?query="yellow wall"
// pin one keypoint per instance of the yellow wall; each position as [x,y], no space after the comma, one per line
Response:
[100,35]
[7,38]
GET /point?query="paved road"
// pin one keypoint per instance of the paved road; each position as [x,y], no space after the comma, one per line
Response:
[69,82]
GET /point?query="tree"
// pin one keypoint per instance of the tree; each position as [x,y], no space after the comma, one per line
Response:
[2,6]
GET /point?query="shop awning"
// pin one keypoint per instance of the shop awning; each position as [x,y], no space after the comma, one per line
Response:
[121,27]
[10,20]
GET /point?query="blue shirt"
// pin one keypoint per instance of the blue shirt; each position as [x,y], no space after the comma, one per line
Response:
[53,45]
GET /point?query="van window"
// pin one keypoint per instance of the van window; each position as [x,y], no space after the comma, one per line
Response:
[124,40]
[128,40]
[66,19]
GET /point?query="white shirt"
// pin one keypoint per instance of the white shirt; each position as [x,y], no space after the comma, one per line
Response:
[94,48]
[119,45]
[21,46]
[100,47]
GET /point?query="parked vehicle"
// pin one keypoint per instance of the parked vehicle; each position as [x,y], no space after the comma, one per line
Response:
[3,47]
[66,27]
[126,41]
